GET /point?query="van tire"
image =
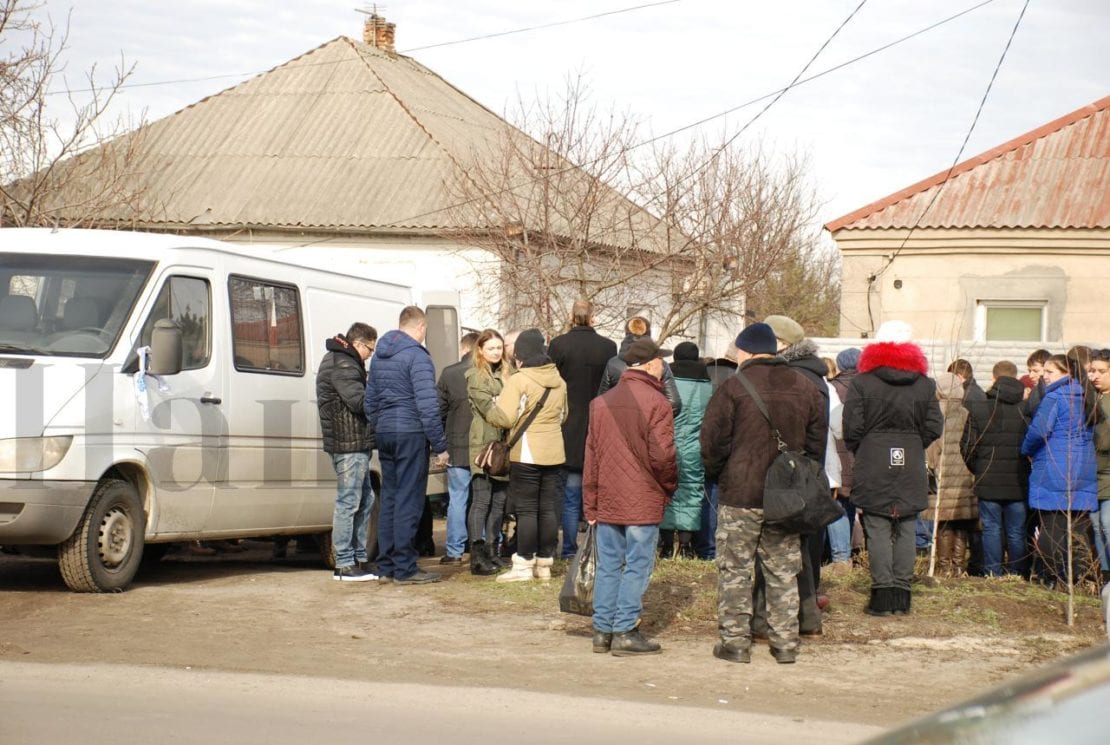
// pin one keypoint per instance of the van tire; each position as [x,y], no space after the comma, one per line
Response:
[106,549]
[327,549]
[327,546]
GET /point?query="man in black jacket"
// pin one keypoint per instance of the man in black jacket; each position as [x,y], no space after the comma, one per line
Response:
[635,329]
[800,353]
[580,355]
[991,447]
[454,409]
[340,391]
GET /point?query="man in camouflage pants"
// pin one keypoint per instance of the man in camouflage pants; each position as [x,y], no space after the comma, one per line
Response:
[737,448]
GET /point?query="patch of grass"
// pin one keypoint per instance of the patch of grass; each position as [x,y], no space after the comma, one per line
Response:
[682,600]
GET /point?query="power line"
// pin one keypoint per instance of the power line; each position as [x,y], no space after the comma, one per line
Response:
[482,37]
[542,26]
[718,115]
[717,152]
[948,174]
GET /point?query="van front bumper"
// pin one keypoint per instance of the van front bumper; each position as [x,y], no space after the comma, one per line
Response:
[41,512]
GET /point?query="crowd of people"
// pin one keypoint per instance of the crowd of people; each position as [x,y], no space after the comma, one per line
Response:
[670,459]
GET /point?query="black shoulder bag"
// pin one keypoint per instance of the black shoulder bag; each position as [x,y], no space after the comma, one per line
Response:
[796,493]
[494,456]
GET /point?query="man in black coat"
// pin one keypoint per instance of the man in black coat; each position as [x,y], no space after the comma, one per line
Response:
[635,329]
[454,409]
[340,392]
[991,447]
[580,355]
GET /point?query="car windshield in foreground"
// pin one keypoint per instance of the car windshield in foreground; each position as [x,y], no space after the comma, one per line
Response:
[66,305]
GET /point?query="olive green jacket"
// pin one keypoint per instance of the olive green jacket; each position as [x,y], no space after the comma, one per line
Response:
[482,390]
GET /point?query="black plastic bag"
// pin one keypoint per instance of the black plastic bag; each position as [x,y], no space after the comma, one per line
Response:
[577,595]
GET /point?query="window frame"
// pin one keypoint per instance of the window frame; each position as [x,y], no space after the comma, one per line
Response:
[300,325]
[982,307]
[154,304]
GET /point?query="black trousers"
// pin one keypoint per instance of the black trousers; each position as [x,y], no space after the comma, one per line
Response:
[536,493]
[1053,544]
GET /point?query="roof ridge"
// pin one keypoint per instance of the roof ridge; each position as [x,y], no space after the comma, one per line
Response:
[409,112]
[962,167]
[251,79]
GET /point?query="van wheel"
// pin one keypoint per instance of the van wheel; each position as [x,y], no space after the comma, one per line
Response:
[105,551]
[327,546]
[327,549]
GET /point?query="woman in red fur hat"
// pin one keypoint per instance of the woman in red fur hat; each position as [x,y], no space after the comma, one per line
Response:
[891,415]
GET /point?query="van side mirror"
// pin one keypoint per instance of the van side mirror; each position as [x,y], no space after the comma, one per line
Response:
[165,348]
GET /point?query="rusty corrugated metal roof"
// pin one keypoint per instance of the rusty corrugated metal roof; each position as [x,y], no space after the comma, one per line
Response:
[345,136]
[1057,176]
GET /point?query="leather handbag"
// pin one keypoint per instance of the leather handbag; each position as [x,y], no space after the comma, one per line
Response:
[797,497]
[493,458]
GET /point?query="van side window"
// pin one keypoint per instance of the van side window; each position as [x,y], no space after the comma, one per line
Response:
[185,300]
[265,327]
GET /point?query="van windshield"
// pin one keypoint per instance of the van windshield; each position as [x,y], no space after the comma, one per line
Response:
[72,306]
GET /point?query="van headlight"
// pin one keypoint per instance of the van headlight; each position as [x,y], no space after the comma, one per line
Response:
[32,454]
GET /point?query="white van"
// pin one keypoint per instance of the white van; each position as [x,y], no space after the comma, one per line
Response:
[218,438]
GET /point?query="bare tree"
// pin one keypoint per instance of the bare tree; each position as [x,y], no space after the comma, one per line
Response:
[568,205]
[45,154]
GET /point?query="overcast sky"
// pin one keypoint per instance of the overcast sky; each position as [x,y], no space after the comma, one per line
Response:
[869,129]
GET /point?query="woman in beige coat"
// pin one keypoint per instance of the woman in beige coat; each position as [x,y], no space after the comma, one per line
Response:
[535,478]
[953,507]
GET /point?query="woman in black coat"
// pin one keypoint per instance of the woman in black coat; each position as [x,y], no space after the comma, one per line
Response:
[891,415]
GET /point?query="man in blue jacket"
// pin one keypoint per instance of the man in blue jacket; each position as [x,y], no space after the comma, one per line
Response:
[402,407]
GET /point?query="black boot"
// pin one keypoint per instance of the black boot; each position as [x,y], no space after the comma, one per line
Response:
[901,601]
[494,556]
[479,560]
[882,602]
[632,643]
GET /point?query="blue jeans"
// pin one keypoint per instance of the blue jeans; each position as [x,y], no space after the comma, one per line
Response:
[1003,520]
[354,499]
[923,533]
[705,540]
[1101,520]
[404,459]
[458,495]
[625,557]
[840,533]
[572,511]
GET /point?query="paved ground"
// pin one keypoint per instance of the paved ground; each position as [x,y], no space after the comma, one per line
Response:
[114,704]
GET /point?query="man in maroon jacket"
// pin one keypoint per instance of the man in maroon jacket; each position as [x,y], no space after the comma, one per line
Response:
[629,476]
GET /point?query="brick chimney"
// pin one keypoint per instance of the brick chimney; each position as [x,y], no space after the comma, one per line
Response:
[377,32]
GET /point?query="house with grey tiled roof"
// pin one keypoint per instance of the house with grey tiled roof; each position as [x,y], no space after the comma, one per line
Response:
[348,156]
[1012,245]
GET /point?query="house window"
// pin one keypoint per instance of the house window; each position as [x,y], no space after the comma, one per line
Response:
[1010,321]
[266,327]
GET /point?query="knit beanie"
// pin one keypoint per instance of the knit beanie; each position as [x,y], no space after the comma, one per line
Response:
[894,331]
[759,338]
[687,350]
[848,360]
[529,344]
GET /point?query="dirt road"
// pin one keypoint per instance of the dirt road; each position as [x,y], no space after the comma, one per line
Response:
[247,614]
